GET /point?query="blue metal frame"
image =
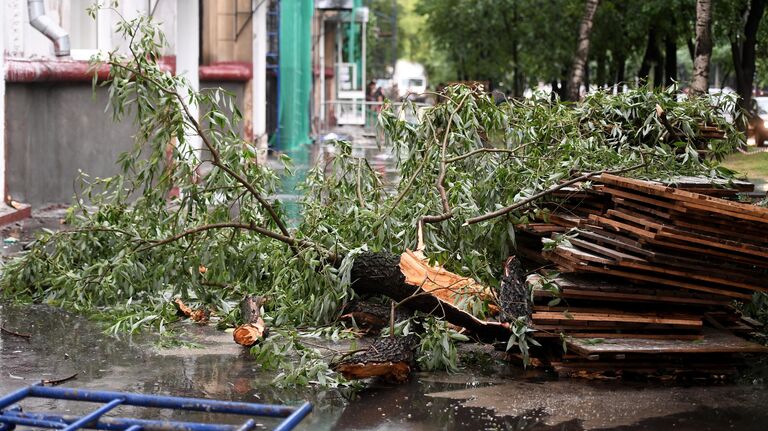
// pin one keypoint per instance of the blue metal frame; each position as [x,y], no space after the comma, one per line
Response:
[11,413]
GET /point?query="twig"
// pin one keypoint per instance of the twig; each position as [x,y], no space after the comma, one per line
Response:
[484,150]
[233,225]
[506,210]
[665,122]
[359,186]
[447,212]
[56,382]
[392,319]
[15,334]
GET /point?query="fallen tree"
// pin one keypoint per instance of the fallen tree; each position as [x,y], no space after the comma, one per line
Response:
[471,171]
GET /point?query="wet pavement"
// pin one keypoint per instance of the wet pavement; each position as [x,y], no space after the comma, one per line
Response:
[491,395]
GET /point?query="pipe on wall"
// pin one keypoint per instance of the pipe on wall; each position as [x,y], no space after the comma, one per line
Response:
[44,24]
[23,70]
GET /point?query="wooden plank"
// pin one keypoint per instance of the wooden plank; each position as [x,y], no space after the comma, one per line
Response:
[713,341]
[692,275]
[626,203]
[613,327]
[605,251]
[709,203]
[672,233]
[622,227]
[749,260]
[577,316]
[577,286]
[604,238]
[664,281]
[644,199]
[726,212]
[646,222]
[598,335]
[636,297]
[581,255]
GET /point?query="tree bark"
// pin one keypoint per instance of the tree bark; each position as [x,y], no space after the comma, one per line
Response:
[582,50]
[743,51]
[703,48]
[388,358]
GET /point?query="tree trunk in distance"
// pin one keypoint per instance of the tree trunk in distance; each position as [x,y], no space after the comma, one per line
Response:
[651,57]
[670,59]
[582,50]
[621,67]
[601,81]
[744,54]
[703,48]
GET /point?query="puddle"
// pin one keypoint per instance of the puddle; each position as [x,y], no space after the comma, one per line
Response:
[496,396]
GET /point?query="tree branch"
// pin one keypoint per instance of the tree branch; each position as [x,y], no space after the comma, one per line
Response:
[447,212]
[483,150]
[524,202]
[291,241]
[211,148]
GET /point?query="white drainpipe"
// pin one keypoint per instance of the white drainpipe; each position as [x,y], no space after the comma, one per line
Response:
[259,88]
[2,112]
[44,24]
[188,58]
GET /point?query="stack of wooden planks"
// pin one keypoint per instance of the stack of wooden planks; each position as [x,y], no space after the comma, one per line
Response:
[642,264]
[659,234]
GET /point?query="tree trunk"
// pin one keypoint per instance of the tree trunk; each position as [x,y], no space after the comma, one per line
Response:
[582,50]
[601,79]
[651,57]
[691,48]
[621,68]
[703,48]
[743,51]
[670,59]
[380,274]
[586,77]
[253,328]
[389,358]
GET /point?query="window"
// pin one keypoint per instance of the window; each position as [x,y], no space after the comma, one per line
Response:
[88,37]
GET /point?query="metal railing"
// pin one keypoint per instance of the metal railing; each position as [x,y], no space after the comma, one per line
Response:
[11,414]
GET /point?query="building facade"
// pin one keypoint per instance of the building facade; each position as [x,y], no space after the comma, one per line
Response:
[54,123]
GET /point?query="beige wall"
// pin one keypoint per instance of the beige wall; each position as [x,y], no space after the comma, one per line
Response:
[220,25]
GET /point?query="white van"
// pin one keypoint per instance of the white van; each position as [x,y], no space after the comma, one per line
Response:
[410,78]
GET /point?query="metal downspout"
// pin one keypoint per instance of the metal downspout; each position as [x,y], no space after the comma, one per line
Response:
[44,24]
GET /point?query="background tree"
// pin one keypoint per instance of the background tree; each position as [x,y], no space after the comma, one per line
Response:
[703,47]
[740,22]
[582,51]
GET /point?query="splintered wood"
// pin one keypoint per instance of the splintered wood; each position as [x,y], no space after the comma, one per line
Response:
[253,328]
[646,265]
[439,282]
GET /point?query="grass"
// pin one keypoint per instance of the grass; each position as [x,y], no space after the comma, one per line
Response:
[754,166]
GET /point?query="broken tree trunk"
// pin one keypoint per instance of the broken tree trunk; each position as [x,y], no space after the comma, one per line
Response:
[514,298]
[389,358]
[371,317]
[199,315]
[413,283]
[253,328]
